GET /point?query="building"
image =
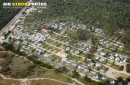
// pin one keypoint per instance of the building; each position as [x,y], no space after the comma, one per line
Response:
[62,54]
[95,76]
[104,77]
[45,30]
[112,81]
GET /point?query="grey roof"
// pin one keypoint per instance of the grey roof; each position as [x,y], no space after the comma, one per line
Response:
[112,81]
[104,77]
[95,76]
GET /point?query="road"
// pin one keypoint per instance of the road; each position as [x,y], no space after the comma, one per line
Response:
[7,26]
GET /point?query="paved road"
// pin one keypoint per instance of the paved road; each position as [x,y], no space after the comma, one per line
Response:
[12,21]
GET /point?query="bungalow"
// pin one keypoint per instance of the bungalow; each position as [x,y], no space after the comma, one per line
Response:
[62,32]
[80,44]
[95,76]
[67,48]
[112,81]
[45,30]
[111,57]
[62,54]
[88,49]
[103,53]
[116,54]
[121,46]
[68,61]
[98,64]
[77,52]
[97,57]
[93,72]
[46,55]
[99,49]
[72,50]
[73,63]
[86,69]
[104,77]
[117,59]
[64,59]
[120,83]
[90,64]
[80,67]
[123,60]
[102,59]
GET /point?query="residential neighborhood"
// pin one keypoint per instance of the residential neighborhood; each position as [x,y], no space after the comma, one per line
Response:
[50,40]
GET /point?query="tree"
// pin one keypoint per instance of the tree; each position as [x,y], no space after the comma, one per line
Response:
[87,79]
[119,79]
[75,74]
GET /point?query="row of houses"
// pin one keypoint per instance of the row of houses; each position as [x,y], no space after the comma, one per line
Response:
[108,43]
[72,50]
[86,47]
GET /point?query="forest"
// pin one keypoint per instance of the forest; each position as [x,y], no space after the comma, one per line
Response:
[6,14]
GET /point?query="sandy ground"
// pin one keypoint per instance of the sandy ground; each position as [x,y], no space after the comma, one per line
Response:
[1,38]
[114,74]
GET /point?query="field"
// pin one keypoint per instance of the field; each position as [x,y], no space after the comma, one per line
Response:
[19,68]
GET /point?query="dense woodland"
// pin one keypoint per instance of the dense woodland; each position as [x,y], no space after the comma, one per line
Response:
[6,14]
[113,16]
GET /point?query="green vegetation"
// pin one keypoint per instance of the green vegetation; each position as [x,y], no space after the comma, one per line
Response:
[38,62]
[60,70]
[128,68]
[7,34]
[7,14]
[110,15]
[34,59]
[75,74]
[87,79]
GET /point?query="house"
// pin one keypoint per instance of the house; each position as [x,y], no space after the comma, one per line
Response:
[103,53]
[95,76]
[80,44]
[98,64]
[46,55]
[73,63]
[112,81]
[121,46]
[99,49]
[77,52]
[120,83]
[45,30]
[86,69]
[111,57]
[117,59]
[102,59]
[68,61]
[72,50]
[97,57]
[123,60]
[62,54]
[80,67]
[93,72]
[116,54]
[104,77]
[62,32]
[90,64]
[88,49]
[64,59]
[67,48]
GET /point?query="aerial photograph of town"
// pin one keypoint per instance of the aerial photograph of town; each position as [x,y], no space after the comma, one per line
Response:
[65,42]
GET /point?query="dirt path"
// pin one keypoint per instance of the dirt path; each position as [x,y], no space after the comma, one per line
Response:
[25,80]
